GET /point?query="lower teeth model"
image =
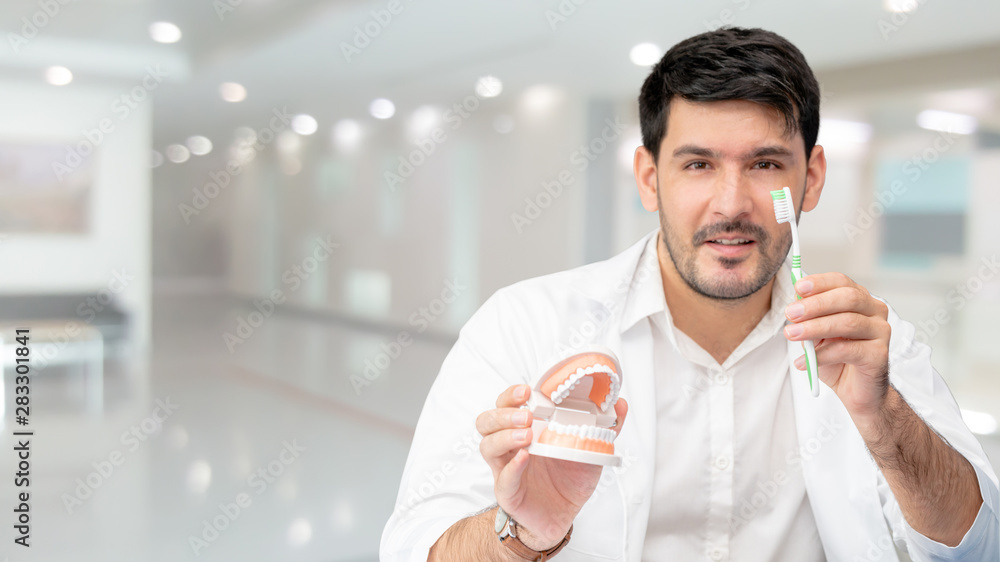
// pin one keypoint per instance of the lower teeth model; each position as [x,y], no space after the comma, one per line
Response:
[573,408]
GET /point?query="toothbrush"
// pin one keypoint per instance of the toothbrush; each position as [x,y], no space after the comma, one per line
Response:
[784,212]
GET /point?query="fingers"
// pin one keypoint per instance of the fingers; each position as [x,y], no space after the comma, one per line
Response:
[508,480]
[871,357]
[621,409]
[833,300]
[846,325]
[500,447]
[492,421]
[514,396]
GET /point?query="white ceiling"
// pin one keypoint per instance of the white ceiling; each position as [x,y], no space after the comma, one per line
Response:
[288,52]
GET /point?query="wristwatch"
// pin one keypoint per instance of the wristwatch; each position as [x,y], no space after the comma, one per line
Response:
[506,529]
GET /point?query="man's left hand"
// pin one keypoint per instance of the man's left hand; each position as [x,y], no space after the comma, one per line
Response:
[850,329]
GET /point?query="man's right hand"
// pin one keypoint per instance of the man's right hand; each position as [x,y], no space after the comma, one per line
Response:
[542,494]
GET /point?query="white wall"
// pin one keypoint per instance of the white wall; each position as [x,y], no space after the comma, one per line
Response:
[119,236]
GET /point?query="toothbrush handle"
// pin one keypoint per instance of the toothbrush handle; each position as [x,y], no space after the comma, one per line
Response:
[808,348]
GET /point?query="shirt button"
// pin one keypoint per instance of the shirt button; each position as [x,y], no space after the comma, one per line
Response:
[722,462]
[717,553]
[720,377]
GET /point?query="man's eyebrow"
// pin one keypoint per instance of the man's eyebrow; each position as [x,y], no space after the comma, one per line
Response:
[694,150]
[774,150]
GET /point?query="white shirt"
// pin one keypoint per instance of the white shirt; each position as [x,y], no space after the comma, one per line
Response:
[727,483]
[523,329]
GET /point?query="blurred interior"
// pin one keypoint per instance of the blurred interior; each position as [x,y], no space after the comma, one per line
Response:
[221,230]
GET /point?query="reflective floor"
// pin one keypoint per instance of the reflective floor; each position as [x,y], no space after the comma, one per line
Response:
[266,453]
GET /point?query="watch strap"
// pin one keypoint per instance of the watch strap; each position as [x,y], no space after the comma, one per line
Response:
[514,544]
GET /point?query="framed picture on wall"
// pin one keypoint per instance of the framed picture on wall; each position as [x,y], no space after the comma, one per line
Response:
[44,189]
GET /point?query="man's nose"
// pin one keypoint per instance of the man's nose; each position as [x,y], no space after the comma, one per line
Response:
[732,197]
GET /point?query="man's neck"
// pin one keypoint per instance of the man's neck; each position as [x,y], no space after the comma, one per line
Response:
[718,326]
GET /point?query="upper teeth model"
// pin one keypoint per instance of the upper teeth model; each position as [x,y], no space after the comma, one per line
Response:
[591,372]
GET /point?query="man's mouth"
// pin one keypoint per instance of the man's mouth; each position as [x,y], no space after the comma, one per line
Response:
[732,241]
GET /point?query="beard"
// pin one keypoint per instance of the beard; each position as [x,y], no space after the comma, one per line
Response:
[731,285]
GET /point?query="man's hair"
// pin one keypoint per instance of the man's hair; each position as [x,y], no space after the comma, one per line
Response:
[732,63]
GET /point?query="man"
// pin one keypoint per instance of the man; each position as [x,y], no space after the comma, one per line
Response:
[728,455]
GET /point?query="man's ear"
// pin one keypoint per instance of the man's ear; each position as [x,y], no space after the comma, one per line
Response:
[815,178]
[645,178]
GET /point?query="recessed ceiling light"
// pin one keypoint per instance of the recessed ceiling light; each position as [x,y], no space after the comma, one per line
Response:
[382,108]
[899,6]
[164,32]
[199,145]
[489,87]
[232,92]
[177,153]
[58,75]
[304,124]
[645,54]
[346,134]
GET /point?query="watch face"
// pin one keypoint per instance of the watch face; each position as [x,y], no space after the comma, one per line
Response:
[501,520]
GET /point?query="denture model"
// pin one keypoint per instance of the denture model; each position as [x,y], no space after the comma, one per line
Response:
[573,405]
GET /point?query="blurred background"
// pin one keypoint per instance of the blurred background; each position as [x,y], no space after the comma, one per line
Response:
[243,234]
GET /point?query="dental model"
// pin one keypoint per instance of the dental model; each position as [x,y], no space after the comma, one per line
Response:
[784,212]
[573,405]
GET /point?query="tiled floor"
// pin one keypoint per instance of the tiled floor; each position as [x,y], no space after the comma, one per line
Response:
[277,420]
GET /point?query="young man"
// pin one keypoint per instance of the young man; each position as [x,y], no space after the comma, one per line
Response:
[728,455]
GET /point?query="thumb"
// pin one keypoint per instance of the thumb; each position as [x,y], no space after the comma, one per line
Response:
[509,478]
[621,409]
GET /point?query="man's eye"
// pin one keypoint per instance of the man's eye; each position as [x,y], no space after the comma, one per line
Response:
[698,165]
[764,165]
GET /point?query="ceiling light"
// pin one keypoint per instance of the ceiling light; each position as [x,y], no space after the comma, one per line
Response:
[304,124]
[488,87]
[346,134]
[382,108]
[177,153]
[58,75]
[164,32]
[199,145]
[645,54]
[899,6]
[947,122]
[979,422]
[232,92]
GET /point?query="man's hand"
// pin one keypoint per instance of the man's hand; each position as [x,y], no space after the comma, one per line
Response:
[542,494]
[850,329]
[936,487]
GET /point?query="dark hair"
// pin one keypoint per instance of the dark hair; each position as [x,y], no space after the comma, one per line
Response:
[732,63]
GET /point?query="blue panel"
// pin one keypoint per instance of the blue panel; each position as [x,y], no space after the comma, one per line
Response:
[919,186]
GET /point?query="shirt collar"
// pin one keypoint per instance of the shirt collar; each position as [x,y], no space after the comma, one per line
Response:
[645,298]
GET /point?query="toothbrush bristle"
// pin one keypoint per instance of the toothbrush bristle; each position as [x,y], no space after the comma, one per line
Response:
[781,208]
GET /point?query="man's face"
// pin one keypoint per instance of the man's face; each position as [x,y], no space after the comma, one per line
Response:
[717,165]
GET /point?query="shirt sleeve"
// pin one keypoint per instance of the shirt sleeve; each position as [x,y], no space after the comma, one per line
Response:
[445,478]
